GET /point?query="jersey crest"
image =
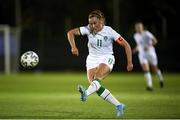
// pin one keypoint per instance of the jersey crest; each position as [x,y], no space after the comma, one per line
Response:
[105,38]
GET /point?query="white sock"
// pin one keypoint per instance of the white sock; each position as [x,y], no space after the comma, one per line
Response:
[148,78]
[106,95]
[95,85]
[159,74]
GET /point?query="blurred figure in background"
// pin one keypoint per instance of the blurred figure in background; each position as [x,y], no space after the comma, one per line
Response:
[147,55]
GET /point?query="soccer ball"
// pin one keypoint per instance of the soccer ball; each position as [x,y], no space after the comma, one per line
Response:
[29,59]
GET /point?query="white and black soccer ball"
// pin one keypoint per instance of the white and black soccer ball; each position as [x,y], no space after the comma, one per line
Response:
[29,59]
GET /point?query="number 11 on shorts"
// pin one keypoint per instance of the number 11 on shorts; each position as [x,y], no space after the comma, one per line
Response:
[110,61]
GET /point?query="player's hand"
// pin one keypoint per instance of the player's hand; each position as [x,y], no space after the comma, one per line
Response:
[75,51]
[129,67]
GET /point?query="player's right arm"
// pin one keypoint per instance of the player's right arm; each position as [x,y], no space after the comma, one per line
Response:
[71,38]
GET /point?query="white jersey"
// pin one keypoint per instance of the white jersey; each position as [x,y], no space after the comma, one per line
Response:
[100,43]
[146,55]
[144,39]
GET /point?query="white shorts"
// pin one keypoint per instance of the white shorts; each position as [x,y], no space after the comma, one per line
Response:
[94,61]
[148,57]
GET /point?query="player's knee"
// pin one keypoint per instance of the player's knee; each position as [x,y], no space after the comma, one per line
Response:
[98,76]
[155,68]
[145,69]
[90,79]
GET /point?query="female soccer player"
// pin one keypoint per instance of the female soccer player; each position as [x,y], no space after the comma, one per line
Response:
[100,60]
[147,55]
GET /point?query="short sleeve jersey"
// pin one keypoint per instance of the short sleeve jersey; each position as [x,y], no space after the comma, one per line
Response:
[100,43]
[143,39]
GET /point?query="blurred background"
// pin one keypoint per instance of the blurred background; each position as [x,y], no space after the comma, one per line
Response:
[41,26]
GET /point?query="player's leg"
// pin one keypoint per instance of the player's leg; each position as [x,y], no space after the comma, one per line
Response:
[95,76]
[146,70]
[147,76]
[97,69]
[154,65]
[102,71]
[159,74]
[94,83]
[91,65]
[90,74]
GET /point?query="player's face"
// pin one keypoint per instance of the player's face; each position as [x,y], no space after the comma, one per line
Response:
[95,24]
[139,28]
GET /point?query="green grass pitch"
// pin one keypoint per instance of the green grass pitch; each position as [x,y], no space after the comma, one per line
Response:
[54,96]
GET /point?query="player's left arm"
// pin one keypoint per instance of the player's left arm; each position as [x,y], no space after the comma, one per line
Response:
[152,37]
[154,41]
[121,41]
